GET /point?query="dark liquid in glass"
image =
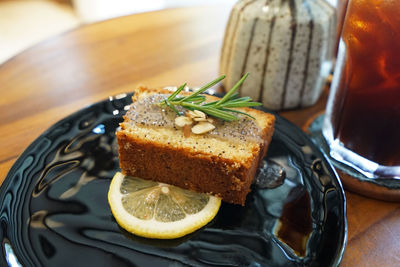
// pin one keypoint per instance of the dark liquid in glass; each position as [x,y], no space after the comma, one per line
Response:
[366,114]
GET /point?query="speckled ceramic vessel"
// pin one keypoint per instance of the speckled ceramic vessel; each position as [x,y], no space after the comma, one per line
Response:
[287,47]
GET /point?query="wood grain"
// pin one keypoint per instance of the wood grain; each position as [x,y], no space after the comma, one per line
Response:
[59,76]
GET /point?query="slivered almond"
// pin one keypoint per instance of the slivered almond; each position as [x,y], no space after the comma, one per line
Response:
[199,114]
[211,120]
[196,114]
[202,127]
[200,119]
[191,114]
[181,121]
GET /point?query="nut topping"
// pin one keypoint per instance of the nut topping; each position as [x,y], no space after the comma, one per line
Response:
[196,114]
[200,119]
[202,123]
[181,121]
[202,127]
[191,114]
[199,114]
[211,120]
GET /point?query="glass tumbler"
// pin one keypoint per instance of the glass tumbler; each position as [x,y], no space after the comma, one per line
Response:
[362,122]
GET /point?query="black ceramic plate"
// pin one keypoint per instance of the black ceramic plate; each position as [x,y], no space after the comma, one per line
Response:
[54,210]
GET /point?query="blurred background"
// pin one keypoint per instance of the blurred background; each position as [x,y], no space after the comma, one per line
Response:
[24,23]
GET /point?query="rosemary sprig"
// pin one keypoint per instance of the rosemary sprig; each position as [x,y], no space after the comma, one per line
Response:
[223,109]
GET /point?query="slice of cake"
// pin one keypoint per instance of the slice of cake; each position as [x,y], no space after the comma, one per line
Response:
[186,151]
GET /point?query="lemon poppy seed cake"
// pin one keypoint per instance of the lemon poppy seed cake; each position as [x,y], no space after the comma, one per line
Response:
[205,155]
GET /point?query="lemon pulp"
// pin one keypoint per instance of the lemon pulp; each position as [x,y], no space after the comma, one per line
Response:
[156,210]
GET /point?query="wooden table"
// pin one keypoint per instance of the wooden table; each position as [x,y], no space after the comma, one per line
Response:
[66,73]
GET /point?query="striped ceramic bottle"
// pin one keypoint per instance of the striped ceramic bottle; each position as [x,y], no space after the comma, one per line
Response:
[286,46]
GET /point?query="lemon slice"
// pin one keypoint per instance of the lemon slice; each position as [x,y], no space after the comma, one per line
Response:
[156,210]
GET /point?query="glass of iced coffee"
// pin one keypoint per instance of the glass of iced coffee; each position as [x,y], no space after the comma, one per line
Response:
[362,122]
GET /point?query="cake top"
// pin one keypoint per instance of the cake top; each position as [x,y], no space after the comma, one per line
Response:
[147,111]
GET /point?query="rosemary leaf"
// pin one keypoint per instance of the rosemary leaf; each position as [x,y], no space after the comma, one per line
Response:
[205,87]
[228,95]
[238,111]
[192,99]
[172,107]
[210,103]
[240,104]
[234,96]
[242,99]
[218,113]
[177,91]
